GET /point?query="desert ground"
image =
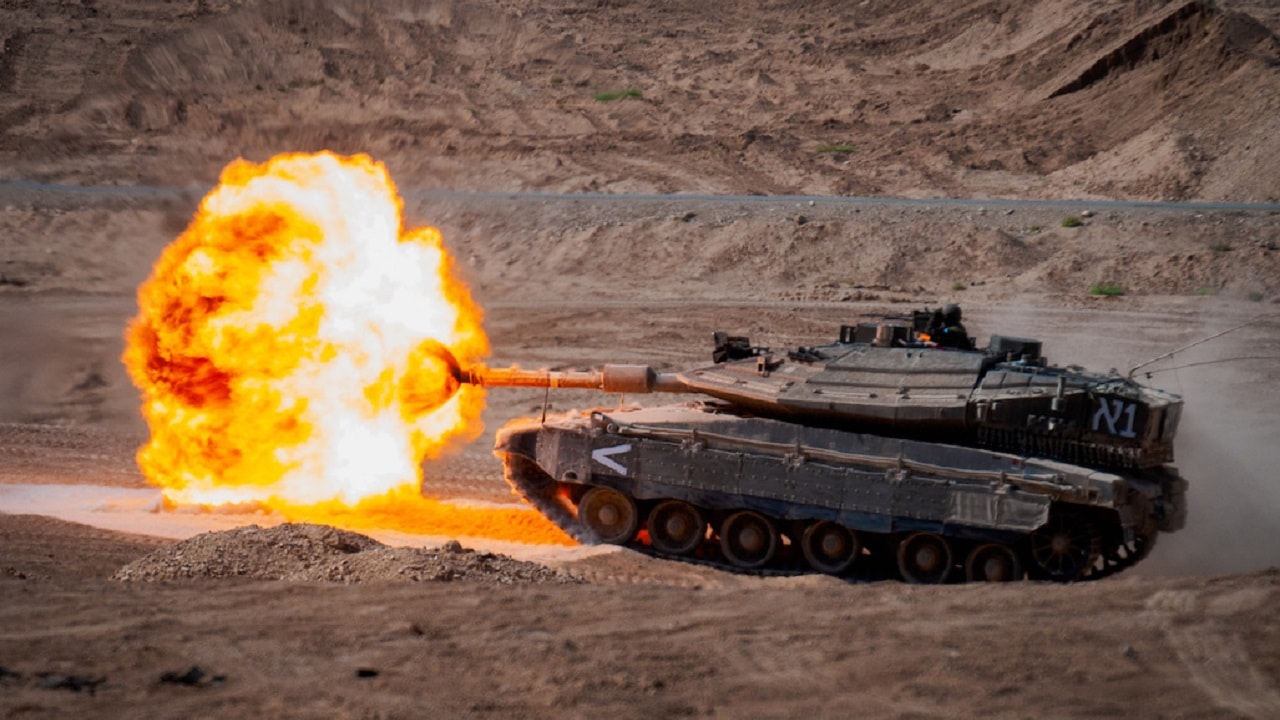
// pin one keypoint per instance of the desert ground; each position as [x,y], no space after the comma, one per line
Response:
[779,170]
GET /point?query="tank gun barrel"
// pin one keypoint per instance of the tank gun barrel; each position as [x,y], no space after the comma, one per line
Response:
[631,379]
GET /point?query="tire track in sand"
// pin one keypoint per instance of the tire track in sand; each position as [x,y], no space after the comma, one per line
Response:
[1215,656]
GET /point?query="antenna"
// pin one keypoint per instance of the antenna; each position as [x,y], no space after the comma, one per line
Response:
[1188,346]
[1219,361]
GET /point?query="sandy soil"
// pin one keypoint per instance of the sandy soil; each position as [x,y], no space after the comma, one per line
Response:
[1140,100]
[628,643]
[641,636]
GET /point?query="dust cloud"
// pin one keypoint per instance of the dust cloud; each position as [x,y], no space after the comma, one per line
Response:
[1225,446]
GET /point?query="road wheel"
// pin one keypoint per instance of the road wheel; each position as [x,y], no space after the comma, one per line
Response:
[1065,548]
[749,539]
[993,563]
[924,558]
[829,547]
[610,515]
[676,527]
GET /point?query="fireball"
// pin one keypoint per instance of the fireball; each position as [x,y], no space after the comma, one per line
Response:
[294,348]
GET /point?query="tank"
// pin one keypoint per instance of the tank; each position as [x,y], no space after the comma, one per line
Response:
[880,453]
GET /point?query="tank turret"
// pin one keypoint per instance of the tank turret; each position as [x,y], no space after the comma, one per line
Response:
[990,462]
[884,378]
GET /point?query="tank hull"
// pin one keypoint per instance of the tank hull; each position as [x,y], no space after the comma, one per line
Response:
[765,494]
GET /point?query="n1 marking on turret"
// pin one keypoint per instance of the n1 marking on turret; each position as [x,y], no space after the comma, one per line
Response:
[1112,409]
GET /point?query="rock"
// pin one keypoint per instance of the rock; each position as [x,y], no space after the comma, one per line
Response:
[74,683]
[193,677]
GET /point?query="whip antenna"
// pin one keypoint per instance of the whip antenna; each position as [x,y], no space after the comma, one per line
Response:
[1188,346]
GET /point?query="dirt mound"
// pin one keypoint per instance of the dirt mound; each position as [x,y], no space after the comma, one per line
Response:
[305,552]
[976,98]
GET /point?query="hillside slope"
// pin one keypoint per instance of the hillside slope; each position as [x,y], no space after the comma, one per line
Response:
[1142,99]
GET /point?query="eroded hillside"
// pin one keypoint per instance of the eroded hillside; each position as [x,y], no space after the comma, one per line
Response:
[986,98]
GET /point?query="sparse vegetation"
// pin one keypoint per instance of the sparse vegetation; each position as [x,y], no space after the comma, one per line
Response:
[557,80]
[1035,229]
[1220,247]
[611,95]
[1071,221]
[1254,296]
[957,286]
[1206,291]
[836,148]
[1106,289]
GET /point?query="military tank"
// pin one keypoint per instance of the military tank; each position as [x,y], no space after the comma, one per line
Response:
[878,453]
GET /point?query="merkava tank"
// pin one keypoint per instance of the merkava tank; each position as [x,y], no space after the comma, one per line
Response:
[874,454]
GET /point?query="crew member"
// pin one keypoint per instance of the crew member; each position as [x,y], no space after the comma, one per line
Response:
[945,329]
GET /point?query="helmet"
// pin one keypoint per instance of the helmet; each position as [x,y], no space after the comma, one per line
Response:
[951,313]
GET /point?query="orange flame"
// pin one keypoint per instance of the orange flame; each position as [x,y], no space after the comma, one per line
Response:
[294,348]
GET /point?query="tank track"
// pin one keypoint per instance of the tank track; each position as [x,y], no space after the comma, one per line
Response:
[539,490]
[1121,557]
[529,482]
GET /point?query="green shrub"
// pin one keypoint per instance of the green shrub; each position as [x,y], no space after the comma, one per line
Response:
[1106,289]
[611,95]
[1206,291]
[556,80]
[1255,296]
[1220,247]
[1071,221]
[957,286]
[837,148]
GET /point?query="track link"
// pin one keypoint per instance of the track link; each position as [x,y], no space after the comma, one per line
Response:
[542,492]
[1121,557]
